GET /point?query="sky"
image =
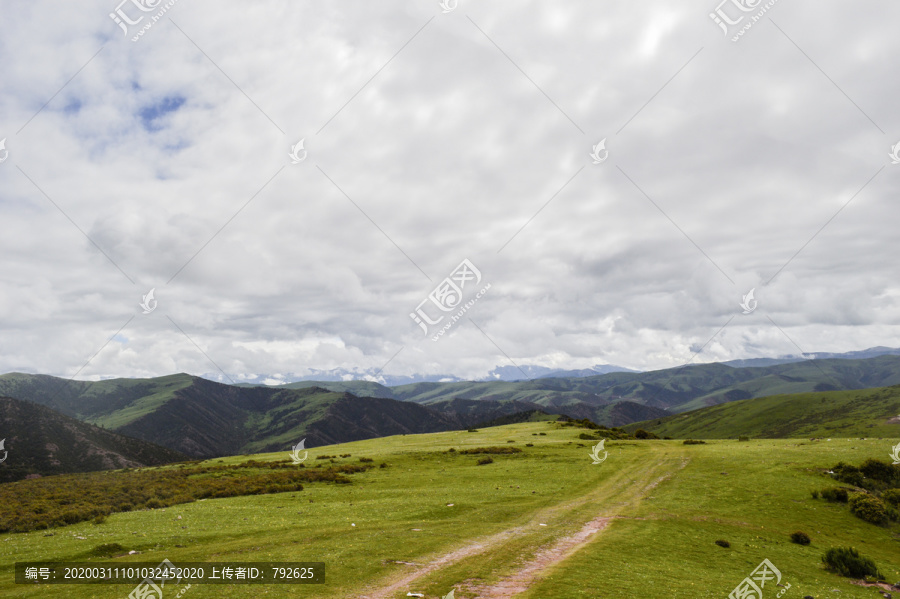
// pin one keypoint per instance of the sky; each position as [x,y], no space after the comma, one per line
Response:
[560,184]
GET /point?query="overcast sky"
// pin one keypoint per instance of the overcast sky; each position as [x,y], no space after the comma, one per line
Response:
[429,138]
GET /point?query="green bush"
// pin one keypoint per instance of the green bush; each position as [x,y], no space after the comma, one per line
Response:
[483,461]
[835,494]
[742,438]
[108,550]
[588,437]
[892,496]
[847,473]
[814,493]
[846,561]
[364,460]
[543,434]
[867,507]
[801,538]
[694,442]
[722,543]
[642,434]
[491,450]
[878,470]
[472,430]
[529,445]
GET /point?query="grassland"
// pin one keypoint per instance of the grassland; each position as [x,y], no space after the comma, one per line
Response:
[666,504]
[866,413]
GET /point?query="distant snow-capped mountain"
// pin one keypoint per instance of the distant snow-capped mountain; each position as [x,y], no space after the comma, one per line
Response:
[500,373]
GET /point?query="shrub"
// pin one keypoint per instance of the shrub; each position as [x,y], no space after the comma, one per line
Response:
[491,450]
[345,455]
[801,538]
[472,430]
[382,465]
[483,461]
[835,494]
[743,438]
[108,550]
[325,457]
[722,543]
[642,434]
[588,437]
[849,474]
[100,519]
[814,493]
[892,496]
[451,450]
[694,442]
[366,460]
[529,445]
[543,434]
[868,508]
[878,470]
[153,503]
[847,561]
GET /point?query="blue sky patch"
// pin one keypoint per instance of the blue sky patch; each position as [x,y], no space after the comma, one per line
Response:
[152,114]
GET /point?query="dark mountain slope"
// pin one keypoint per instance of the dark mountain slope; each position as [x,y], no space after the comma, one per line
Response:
[42,441]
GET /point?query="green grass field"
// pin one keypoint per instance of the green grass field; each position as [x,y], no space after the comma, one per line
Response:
[667,503]
[864,413]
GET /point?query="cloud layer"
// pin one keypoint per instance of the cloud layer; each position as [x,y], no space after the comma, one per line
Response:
[433,137]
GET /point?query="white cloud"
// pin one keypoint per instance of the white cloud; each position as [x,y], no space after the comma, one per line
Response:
[450,150]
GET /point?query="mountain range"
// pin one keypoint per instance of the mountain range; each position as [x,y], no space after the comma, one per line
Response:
[192,416]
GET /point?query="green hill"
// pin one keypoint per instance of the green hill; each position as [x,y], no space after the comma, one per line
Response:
[865,413]
[42,441]
[201,418]
[676,389]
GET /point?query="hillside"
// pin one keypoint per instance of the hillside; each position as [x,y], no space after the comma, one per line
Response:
[202,419]
[42,441]
[677,389]
[866,413]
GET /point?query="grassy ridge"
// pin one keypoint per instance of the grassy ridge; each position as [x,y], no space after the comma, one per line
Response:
[659,544]
[864,413]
